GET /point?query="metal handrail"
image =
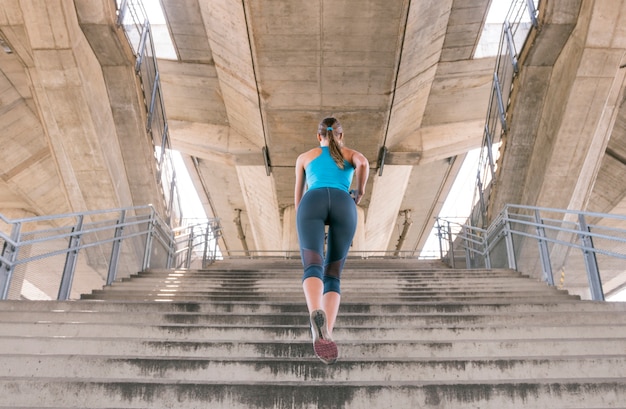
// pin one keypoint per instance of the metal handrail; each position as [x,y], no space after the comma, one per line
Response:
[133,19]
[136,234]
[515,33]
[524,228]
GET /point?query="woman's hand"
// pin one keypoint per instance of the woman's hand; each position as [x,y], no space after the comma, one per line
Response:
[357,195]
[361,174]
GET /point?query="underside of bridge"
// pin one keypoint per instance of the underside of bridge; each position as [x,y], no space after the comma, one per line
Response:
[255,76]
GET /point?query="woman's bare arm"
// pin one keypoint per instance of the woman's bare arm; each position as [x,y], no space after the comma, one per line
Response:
[300,181]
[361,173]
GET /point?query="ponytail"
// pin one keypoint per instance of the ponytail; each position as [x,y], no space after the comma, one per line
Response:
[335,150]
[327,128]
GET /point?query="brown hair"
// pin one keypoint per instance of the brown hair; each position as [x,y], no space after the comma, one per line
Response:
[331,128]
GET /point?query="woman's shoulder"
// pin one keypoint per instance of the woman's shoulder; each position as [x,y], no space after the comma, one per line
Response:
[350,154]
[312,152]
[306,157]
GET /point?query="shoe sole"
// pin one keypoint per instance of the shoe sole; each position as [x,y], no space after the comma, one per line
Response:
[324,347]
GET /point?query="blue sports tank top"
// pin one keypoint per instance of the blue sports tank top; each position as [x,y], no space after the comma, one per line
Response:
[324,172]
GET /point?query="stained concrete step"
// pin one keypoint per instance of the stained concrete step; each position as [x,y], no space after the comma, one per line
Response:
[296,285]
[283,369]
[301,348]
[172,297]
[365,273]
[295,295]
[97,393]
[391,288]
[366,266]
[300,319]
[293,259]
[352,263]
[399,349]
[409,286]
[288,332]
[367,285]
[485,283]
[276,306]
[353,277]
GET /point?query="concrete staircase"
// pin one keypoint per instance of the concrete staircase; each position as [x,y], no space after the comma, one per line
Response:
[411,335]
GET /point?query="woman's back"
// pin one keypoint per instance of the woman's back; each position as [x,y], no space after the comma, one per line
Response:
[322,171]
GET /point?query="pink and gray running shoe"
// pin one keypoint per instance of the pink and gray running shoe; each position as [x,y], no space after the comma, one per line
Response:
[323,345]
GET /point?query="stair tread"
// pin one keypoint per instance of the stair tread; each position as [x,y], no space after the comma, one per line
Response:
[239,337]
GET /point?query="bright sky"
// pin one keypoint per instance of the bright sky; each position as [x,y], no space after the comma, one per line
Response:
[190,202]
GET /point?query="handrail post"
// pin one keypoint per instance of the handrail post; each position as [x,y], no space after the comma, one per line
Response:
[122,12]
[147,252]
[172,257]
[451,247]
[511,46]
[500,100]
[481,198]
[591,263]
[486,251]
[532,10]
[155,89]
[206,245]
[439,237]
[189,248]
[142,46]
[9,252]
[115,248]
[544,254]
[70,261]
[508,238]
[468,251]
[489,142]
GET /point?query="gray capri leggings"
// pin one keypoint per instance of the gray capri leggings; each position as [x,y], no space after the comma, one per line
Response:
[320,207]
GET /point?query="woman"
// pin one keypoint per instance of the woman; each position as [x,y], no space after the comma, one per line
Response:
[327,171]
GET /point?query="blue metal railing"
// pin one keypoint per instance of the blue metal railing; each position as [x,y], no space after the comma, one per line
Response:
[102,246]
[538,241]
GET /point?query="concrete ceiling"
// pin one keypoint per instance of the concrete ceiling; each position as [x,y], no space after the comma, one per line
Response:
[257,74]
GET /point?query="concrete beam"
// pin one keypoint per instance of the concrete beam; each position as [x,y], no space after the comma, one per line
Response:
[384,207]
[227,31]
[259,194]
[215,143]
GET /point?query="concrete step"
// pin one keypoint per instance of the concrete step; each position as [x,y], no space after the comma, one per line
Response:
[284,369]
[301,348]
[372,273]
[370,286]
[484,283]
[301,319]
[125,393]
[173,297]
[271,264]
[297,288]
[287,332]
[410,338]
[276,306]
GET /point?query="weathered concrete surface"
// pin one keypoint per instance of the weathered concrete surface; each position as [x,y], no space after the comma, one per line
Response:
[485,339]
[74,122]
